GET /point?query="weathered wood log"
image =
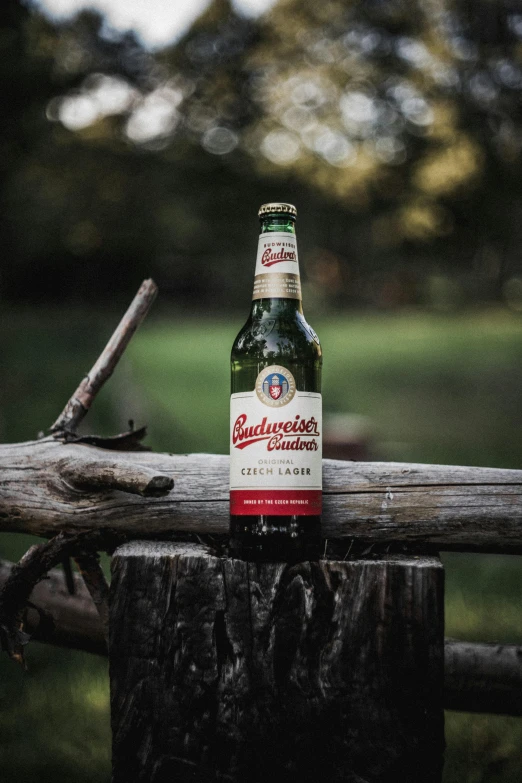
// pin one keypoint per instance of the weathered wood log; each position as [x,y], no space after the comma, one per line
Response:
[225,670]
[483,677]
[443,507]
[57,617]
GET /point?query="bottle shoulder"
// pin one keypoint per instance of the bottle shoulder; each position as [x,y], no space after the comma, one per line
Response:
[277,337]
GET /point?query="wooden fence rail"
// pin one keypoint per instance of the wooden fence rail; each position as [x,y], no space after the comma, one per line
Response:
[48,485]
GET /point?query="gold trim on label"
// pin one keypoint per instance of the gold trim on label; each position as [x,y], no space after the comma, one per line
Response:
[277,285]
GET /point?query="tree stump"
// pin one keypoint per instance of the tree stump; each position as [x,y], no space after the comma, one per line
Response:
[223,670]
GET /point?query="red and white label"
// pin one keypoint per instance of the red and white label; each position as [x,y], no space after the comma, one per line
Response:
[305,502]
[275,453]
[277,267]
[277,252]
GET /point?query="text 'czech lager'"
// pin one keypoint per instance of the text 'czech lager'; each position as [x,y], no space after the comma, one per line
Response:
[275,409]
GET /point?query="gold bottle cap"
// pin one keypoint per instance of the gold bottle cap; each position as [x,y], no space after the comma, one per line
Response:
[276,207]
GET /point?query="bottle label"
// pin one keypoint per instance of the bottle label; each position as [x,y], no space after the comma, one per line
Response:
[275,448]
[277,267]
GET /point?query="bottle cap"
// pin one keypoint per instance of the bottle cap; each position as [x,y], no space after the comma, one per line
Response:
[277,207]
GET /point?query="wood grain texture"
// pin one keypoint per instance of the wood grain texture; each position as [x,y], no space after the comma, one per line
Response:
[224,670]
[437,506]
[110,474]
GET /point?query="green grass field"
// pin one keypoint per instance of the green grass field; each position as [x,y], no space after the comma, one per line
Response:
[434,388]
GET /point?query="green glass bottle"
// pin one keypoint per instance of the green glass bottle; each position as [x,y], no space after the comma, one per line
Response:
[276,413]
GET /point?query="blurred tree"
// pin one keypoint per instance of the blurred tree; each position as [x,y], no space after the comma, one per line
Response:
[410,110]
[55,182]
[395,126]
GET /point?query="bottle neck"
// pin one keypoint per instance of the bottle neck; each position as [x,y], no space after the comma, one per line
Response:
[276,307]
[282,223]
[277,285]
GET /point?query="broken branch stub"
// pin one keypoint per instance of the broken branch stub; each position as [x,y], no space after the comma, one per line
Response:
[107,474]
[82,399]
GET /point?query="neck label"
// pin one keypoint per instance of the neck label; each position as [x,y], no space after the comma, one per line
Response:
[277,267]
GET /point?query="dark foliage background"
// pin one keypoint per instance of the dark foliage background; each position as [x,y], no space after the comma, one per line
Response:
[394,126]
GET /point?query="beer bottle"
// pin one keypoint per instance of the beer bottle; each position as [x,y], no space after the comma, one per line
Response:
[276,410]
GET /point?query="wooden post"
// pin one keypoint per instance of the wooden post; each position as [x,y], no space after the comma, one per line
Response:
[227,671]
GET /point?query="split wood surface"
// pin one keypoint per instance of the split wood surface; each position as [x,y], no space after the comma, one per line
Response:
[48,486]
[227,670]
[478,677]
